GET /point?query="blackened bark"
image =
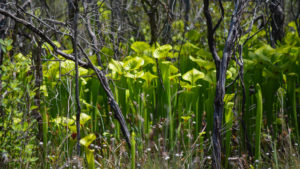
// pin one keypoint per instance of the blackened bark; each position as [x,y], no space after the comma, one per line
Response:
[152,14]
[38,75]
[169,19]
[277,21]
[114,29]
[186,12]
[221,67]
[1,62]
[73,7]
[297,18]
[210,35]
[2,36]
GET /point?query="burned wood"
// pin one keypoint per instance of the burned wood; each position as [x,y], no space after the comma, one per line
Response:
[221,68]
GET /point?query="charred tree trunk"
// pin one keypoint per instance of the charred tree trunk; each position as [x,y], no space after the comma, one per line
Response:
[168,21]
[114,29]
[186,12]
[297,18]
[152,14]
[73,14]
[38,74]
[2,36]
[221,68]
[277,21]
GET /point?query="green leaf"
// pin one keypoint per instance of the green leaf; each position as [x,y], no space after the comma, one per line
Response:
[188,86]
[57,44]
[90,158]
[134,75]
[148,77]
[203,63]
[3,49]
[133,63]
[148,60]
[229,114]
[83,118]
[175,76]
[185,118]
[116,66]
[228,98]
[193,75]
[9,47]
[63,121]
[228,75]
[178,25]
[67,66]
[139,47]
[16,120]
[33,107]
[20,57]
[87,140]
[47,46]
[162,51]
[82,71]
[107,51]
[69,51]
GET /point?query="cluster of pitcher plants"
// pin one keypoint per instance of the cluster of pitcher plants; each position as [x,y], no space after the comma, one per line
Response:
[166,94]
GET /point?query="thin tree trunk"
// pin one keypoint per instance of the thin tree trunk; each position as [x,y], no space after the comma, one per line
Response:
[221,68]
[186,12]
[114,30]
[277,21]
[297,20]
[73,13]
[169,19]
[2,36]
[38,74]
[152,13]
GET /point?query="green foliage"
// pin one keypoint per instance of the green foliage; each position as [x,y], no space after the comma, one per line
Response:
[259,113]
[166,94]
[133,150]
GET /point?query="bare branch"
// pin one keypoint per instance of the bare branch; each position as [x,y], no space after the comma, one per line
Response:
[210,34]
[221,18]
